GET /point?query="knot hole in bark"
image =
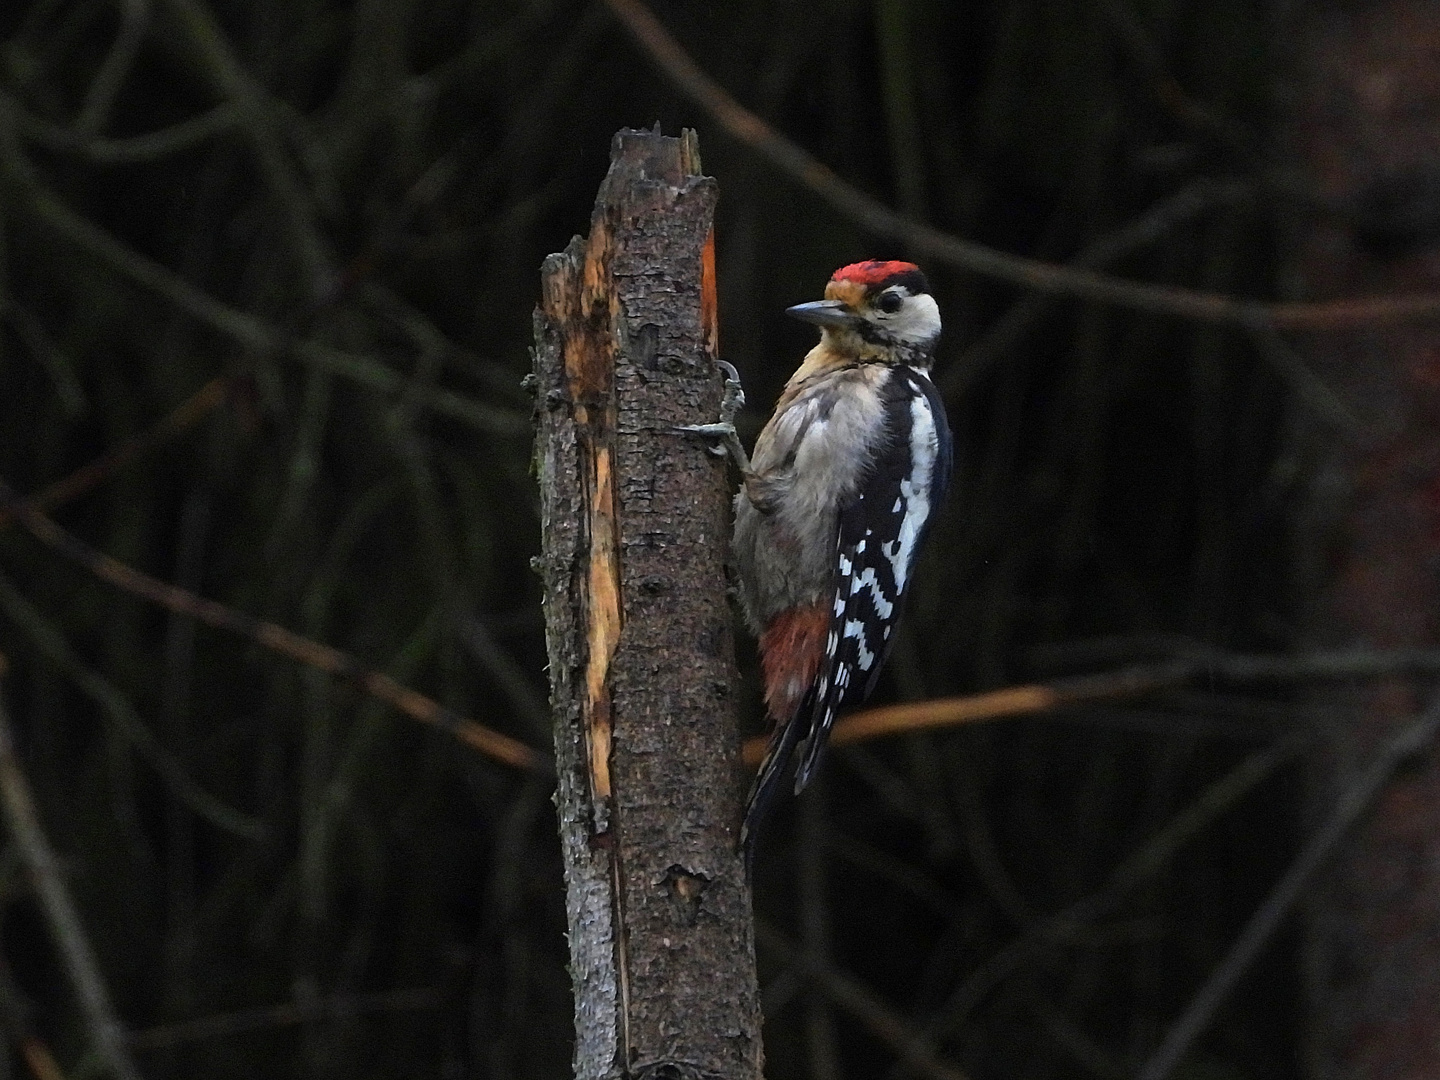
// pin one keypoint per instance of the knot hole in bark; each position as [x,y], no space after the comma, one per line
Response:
[686,889]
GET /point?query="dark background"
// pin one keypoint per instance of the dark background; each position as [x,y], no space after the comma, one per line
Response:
[1122,490]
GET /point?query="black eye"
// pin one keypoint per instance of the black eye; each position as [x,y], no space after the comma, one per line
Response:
[889,303]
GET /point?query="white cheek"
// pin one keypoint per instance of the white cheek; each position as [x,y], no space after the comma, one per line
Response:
[918,320]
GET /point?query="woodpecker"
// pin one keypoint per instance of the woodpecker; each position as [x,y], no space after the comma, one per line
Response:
[834,506]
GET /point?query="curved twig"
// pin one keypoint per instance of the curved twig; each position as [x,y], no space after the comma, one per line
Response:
[275,638]
[870,1011]
[51,643]
[134,22]
[1172,97]
[133,149]
[1353,803]
[229,77]
[923,240]
[184,416]
[105,1030]
[1006,332]
[1229,668]
[1142,864]
[239,326]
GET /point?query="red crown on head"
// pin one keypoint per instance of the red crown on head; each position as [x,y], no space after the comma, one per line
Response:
[873,271]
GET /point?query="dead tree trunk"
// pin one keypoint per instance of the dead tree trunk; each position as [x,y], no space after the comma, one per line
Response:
[1362,115]
[636,522]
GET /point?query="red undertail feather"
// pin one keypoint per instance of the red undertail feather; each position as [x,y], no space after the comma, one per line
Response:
[791,650]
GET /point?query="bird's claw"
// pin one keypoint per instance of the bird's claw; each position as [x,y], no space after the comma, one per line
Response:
[721,436]
[734,399]
[716,435]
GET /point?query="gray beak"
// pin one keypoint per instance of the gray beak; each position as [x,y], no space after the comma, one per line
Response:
[823,313]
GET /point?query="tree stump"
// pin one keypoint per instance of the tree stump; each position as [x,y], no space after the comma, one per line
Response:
[636,522]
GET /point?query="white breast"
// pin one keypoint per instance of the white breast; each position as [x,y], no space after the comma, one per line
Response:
[809,457]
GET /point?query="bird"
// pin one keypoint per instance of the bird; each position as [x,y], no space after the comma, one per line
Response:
[834,506]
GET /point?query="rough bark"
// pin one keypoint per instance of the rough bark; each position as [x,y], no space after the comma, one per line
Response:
[636,521]
[1363,117]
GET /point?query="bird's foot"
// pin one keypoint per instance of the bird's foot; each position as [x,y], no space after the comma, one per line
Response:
[722,436]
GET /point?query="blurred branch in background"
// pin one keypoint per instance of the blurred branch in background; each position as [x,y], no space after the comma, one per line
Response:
[1070,923]
[255,198]
[859,1003]
[100,98]
[233,82]
[1006,333]
[1212,667]
[135,149]
[244,328]
[185,416]
[1353,802]
[289,1014]
[106,1033]
[51,643]
[1144,53]
[276,638]
[327,217]
[927,242]
[19,1021]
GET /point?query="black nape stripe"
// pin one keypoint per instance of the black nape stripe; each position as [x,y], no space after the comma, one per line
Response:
[913,280]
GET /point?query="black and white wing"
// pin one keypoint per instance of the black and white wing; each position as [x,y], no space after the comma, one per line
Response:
[880,535]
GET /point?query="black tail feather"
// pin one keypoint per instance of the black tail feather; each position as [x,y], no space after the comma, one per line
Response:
[769,780]
[822,708]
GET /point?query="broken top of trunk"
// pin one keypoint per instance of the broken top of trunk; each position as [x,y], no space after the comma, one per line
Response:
[635,521]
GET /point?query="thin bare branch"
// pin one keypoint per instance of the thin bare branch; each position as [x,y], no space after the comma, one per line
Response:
[134,21]
[1146,55]
[183,417]
[19,1018]
[275,638]
[1073,1039]
[152,146]
[1222,668]
[853,997]
[1141,865]
[39,1060]
[1348,809]
[1006,332]
[450,583]
[287,1014]
[235,324]
[51,643]
[107,1036]
[1309,389]
[928,242]
[236,84]
[57,365]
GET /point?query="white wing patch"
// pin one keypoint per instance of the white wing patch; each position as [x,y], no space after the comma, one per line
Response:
[914,492]
[854,628]
[883,607]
